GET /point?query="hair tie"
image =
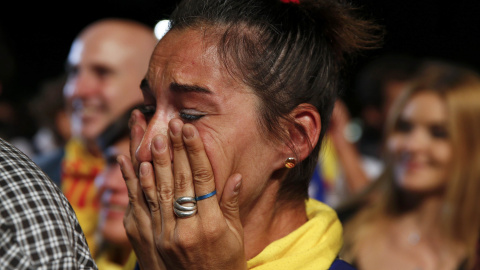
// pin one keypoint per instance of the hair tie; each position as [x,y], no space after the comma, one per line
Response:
[291,1]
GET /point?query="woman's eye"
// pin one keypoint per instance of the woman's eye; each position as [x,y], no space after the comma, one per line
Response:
[148,111]
[403,126]
[439,132]
[191,115]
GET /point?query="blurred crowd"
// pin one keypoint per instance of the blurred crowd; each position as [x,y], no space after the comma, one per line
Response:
[403,174]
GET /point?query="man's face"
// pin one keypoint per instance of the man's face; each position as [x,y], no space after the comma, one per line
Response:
[103,82]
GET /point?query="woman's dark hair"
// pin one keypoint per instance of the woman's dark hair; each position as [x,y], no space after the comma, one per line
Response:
[288,53]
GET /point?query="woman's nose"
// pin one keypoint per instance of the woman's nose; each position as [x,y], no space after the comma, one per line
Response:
[158,125]
[417,140]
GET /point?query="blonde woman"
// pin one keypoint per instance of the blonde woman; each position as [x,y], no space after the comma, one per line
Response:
[423,212]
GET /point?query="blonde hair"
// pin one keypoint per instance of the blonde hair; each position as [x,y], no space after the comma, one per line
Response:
[460,90]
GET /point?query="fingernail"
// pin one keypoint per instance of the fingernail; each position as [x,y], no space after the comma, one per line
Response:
[175,128]
[159,144]
[144,169]
[189,131]
[132,120]
[120,161]
[236,189]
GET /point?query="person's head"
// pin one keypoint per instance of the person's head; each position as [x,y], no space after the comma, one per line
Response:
[258,79]
[51,110]
[419,144]
[432,142]
[106,64]
[112,191]
[376,82]
[379,83]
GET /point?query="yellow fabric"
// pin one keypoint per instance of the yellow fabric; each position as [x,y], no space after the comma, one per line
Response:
[314,245]
[79,169]
[132,261]
[329,163]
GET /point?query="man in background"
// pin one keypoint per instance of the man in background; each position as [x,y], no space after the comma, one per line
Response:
[106,63]
[38,228]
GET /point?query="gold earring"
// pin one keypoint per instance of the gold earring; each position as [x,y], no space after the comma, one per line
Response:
[290,162]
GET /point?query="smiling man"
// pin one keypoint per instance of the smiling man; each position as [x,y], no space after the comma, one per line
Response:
[105,65]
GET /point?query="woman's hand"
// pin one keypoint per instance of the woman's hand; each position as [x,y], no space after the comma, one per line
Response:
[210,239]
[137,220]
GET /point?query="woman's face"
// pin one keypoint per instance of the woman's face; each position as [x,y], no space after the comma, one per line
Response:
[186,80]
[113,196]
[420,144]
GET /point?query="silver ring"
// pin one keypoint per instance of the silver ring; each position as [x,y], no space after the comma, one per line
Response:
[185,211]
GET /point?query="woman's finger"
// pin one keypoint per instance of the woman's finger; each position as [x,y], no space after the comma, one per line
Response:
[229,203]
[182,174]
[162,165]
[149,187]
[135,193]
[137,220]
[137,126]
[202,173]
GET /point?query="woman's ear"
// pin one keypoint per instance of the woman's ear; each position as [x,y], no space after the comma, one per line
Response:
[304,131]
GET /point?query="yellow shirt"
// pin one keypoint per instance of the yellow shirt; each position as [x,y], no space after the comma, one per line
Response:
[314,245]
[79,169]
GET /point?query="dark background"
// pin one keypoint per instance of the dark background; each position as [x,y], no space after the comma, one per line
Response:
[38,36]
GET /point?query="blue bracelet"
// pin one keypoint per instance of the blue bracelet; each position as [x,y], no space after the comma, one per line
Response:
[206,196]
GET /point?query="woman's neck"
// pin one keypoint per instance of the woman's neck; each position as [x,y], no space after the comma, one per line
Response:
[425,211]
[269,220]
[428,214]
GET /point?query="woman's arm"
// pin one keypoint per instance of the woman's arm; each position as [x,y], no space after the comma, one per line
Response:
[347,152]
